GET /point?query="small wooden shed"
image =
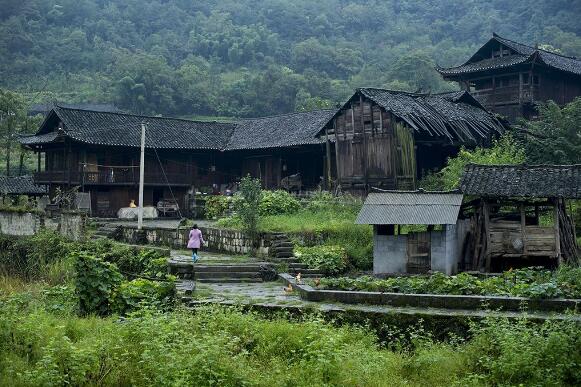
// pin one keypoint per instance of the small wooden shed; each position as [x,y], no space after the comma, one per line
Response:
[519,215]
[414,231]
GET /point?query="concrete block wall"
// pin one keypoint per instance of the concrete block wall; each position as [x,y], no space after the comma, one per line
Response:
[390,251]
[71,225]
[443,250]
[19,224]
[389,254]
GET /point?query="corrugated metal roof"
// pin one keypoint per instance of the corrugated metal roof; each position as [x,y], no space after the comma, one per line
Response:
[410,208]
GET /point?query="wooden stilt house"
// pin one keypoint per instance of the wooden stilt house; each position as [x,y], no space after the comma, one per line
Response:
[388,139]
[519,215]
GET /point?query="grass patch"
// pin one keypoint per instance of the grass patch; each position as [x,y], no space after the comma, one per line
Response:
[43,342]
[329,225]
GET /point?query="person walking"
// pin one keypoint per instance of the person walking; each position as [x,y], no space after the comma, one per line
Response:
[196,240]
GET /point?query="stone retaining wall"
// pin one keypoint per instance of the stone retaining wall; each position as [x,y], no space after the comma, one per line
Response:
[442,301]
[219,240]
[13,223]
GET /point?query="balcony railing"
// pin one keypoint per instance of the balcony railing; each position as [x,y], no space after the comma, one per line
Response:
[506,95]
[111,177]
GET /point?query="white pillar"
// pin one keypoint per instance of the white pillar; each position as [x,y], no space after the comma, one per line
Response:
[141,177]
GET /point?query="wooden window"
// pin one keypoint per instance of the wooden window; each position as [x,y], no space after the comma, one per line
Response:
[525,79]
[483,84]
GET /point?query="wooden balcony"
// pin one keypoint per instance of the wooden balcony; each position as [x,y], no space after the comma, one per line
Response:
[506,95]
[111,177]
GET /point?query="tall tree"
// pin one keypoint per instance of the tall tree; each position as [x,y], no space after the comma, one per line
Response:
[556,136]
[12,118]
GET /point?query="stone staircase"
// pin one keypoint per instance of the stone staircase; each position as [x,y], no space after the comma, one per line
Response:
[282,251]
[106,230]
[222,273]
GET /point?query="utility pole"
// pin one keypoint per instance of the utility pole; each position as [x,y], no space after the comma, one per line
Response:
[141,177]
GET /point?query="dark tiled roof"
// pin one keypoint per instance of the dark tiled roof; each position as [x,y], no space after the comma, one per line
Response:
[21,185]
[279,131]
[455,115]
[98,107]
[540,181]
[117,129]
[523,54]
[398,207]
[39,138]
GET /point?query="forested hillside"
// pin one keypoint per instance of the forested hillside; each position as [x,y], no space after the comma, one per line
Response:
[254,57]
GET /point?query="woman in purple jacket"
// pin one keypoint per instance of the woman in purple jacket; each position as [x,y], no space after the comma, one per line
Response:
[195,242]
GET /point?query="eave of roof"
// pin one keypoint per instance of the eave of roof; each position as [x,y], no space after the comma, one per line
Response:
[524,181]
[283,130]
[525,54]
[20,185]
[455,115]
[121,129]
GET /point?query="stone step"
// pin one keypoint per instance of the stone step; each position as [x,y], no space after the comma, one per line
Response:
[281,245]
[303,276]
[285,254]
[185,286]
[298,265]
[229,280]
[288,260]
[222,274]
[188,267]
[227,268]
[305,271]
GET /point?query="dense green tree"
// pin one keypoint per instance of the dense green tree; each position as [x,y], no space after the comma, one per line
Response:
[556,136]
[233,57]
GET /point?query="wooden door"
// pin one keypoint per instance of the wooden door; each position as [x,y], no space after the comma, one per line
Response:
[418,253]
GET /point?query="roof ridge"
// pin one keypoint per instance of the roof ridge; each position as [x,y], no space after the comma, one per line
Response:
[524,165]
[284,114]
[535,48]
[144,116]
[410,93]
[419,191]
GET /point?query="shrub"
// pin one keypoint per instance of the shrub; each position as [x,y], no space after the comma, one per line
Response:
[505,150]
[523,353]
[139,293]
[251,194]
[96,281]
[329,259]
[35,257]
[216,206]
[278,202]
[530,282]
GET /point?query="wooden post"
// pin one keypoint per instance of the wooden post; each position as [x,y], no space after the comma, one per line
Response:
[328,159]
[353,118]
[557,233]
[362,119]
[38,161]
[337,161]
[68,162]
[493,90]
[141,177]
[487,235]
[523,232]
[520,89]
